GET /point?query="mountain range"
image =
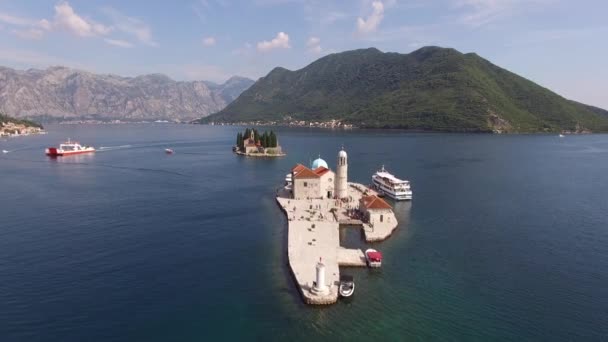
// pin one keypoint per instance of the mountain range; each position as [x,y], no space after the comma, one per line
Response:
[61,93]
[432,88]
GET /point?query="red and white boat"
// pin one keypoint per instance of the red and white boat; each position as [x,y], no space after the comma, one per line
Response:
[68,148]
[373,258]
[168,151]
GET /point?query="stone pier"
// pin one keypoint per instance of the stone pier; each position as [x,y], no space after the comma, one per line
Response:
[313,235]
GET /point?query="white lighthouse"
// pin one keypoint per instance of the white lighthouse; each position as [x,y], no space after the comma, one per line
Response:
[319,287]
[341,180]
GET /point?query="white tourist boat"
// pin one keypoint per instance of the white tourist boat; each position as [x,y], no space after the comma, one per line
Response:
[373,258]
[387,184]
[347,286]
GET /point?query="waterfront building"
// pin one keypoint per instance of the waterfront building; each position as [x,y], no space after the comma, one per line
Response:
[375,209]
[312,183]
[319,181]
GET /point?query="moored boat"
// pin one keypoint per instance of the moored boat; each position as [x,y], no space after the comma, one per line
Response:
[347,286]
[373,258]
[387,184]
[68,148]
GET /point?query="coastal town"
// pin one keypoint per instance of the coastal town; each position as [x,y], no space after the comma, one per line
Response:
[12,129]
[288,121]
[317,202]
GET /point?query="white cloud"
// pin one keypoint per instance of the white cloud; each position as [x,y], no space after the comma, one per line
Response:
[243,51]
[45,24]
[32,33]
[118,42]
[15,20]
[373,20]
[314,45]
[67,19]
[482,12]
[201,72]
[132,26]
[30,58]
[281,41]
[28,28]
[209,41]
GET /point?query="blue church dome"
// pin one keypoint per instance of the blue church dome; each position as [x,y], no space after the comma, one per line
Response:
[319,163]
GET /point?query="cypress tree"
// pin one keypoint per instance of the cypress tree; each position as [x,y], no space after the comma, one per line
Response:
[256,135]
[238,139]
[273,139]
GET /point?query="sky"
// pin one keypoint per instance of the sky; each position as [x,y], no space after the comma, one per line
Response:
[560,44]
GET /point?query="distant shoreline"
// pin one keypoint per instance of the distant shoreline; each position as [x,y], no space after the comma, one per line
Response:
[408,130]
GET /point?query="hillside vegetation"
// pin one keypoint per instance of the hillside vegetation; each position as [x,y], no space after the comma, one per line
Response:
[27,123]
[433,88]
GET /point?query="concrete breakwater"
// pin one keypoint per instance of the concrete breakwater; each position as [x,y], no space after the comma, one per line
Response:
[313,238]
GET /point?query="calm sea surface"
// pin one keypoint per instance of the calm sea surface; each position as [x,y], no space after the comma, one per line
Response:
[506,239]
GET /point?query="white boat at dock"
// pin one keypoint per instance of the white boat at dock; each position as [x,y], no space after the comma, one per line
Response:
[387,184]
[347,286]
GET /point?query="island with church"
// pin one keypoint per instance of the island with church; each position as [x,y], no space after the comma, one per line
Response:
[317,202]
[253,144]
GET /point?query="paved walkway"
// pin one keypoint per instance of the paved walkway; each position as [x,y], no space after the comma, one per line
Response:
[314,234]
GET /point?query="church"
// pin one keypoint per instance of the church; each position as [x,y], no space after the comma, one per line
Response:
[319,181]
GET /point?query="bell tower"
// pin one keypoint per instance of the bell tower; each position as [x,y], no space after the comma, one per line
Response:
[341,180]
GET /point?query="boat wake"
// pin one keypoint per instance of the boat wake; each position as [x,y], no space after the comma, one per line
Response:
[110,148]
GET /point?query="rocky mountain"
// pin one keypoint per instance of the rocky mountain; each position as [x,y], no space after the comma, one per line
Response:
[232,88]
[64,93]
[432,88]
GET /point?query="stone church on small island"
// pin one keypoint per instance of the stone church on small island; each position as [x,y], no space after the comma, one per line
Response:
[319,181]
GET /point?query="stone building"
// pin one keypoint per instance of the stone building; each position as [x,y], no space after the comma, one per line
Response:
[374,209]
[312,183]
[251,146]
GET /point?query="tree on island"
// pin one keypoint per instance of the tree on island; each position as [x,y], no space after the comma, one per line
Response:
[256,136]
[265,140]
[239,140]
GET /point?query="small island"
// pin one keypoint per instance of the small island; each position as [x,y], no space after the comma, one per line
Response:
[12,127]
[252,143]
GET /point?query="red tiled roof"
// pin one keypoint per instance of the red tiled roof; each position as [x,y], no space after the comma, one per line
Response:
[249,142]
[298,168]
[374,202]
[321,170]
[305,172]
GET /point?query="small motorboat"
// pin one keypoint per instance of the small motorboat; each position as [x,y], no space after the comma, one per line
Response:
[561,135]
[347,286]
[373,258]
[5,151]
[168,151]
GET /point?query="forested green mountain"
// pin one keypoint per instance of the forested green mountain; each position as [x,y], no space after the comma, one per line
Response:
[433,88]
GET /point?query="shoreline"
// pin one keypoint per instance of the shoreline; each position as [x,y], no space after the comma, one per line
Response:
[260,155]
[313,234]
